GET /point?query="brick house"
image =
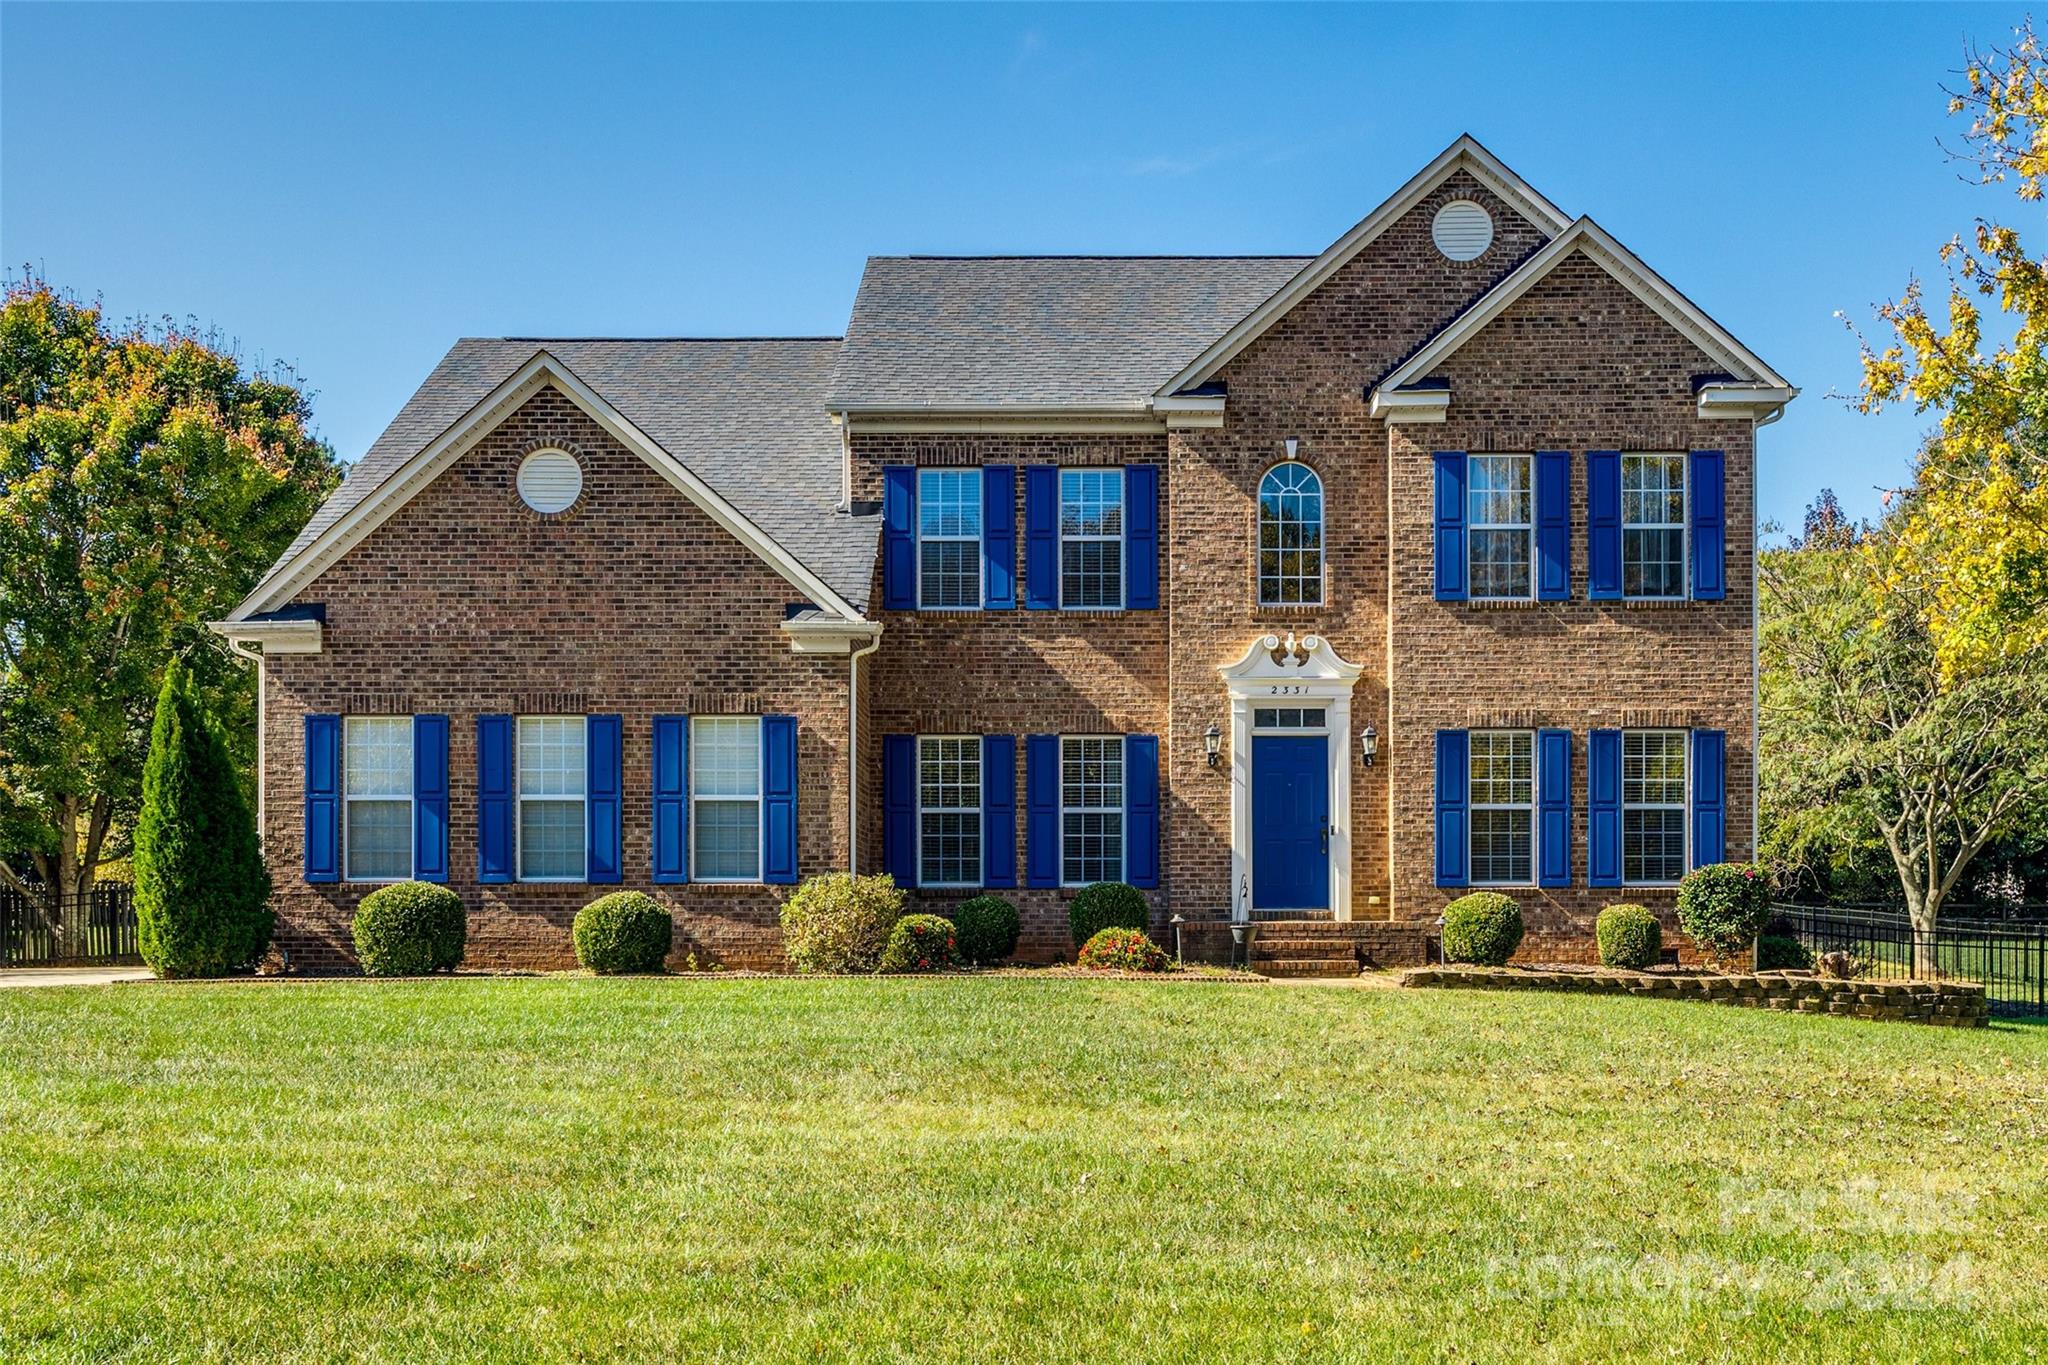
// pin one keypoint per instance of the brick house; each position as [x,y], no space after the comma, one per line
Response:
[1306,590]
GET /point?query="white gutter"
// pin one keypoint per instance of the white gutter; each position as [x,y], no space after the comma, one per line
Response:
[241,648]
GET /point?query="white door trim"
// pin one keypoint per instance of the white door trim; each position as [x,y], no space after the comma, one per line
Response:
[1290,672]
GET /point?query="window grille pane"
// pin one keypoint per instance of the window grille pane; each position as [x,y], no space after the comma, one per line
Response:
[1091,502]
[1653,525]
[1092,573]
[1653,767]
[1652,845]
[1503,767]
[1500,563]
[1653,814]
[728,840]
[951,575]
[551,756]
[726,756]
[378,761]
[1501,846]
[1501,512]
[1091,810]
[379,840]
[551,839]
[1290,536]
[950,844]
[1503,796]
[1093,847]
[949,811]
[949,502]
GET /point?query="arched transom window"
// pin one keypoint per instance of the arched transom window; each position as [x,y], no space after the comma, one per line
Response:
[1290,536]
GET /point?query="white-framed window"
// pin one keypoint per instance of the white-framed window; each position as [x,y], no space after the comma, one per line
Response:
[1091,539]
[1091,809]
[1653,800]
[376,765]
[1503,800]
[1653,526]
[553,775]
[1501,522]
[949,538]
[1290,537]
[725,798]
[949,810]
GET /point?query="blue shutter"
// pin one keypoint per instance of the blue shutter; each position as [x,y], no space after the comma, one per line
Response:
[671,800]
[1041,537]
[1709,797]
[430,798]
[1453,774]
[1450,529]
[999,811]
[323,798]
[1042,810]
[778,800]
[1603,527]
[899,808]
[1553,525]
[1709,496]
[1603,808]
[1141,537]
[604,782]
[494,798]
[1141,811]
[1554,807]
[999,536]
[899,540]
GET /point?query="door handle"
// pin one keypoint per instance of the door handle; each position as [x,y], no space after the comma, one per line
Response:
[1326,838]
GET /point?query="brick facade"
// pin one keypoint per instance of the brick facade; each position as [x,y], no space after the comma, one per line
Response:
[636,602]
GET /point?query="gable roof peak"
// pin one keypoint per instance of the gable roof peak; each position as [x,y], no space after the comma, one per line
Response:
[1466,154]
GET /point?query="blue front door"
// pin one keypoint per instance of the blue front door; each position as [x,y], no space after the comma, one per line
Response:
[1290,822]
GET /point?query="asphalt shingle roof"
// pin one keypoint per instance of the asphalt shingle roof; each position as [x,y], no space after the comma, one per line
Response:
[746,415]
[1097,331]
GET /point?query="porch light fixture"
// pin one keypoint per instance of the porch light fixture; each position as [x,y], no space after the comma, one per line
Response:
[1369,743]
[1212,743]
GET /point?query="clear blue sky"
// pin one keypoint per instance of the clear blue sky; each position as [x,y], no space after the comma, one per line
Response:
[352,188]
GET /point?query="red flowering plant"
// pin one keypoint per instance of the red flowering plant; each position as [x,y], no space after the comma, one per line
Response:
[920,943]
[1123,950]
[1723,907]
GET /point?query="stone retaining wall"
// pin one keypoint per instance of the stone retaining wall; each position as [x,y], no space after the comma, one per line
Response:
[1955,1004]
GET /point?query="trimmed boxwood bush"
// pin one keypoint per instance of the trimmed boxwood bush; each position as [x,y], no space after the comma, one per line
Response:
[1122,950]
[920,943]
[840,923]
[986,929]
[1629,936]
[627,931]
[1723,907]
[409,929]
[1782,953]
[1106,905]
[1484,927]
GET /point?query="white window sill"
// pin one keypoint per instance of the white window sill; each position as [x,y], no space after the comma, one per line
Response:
[375,881]
[1502,603]
[1655,603]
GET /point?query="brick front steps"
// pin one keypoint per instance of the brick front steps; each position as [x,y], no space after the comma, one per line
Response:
[1310,947]
[1954,1004]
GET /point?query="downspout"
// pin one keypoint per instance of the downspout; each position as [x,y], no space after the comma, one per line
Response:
[242,649]
[853,752]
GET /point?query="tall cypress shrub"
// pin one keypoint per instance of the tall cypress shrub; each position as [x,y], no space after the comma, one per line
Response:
[202,894]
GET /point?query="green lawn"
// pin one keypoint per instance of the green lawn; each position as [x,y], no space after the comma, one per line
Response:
[979,1169]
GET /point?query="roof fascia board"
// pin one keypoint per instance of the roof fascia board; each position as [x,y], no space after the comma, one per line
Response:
[1618,261]
[543,370]
[1466,153]
[1411,405]
[276,637]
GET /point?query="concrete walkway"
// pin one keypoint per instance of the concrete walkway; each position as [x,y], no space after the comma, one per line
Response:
[12,977]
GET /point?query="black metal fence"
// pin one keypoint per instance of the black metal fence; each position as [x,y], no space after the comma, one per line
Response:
[2010,956]
[30,934]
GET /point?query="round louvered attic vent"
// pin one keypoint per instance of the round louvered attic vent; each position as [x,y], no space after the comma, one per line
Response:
[1463,230]
[550,480]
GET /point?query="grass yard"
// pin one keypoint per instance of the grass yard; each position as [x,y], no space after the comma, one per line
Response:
[983,1169]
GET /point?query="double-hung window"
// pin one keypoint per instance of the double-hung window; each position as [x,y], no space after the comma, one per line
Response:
[1290,537]
[1091,810]
[1653,794]
[1503,792]
[725,796]
[949,538]
[1501,517]
[553,845]
[1091,538]
[1653,526]
[949,810]
[377,776]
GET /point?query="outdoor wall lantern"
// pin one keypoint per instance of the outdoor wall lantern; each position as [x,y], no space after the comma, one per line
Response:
[1369,743]
[1212,743]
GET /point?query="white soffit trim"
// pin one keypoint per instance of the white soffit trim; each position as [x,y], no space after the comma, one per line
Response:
[1411,405]
[1465,153]
[828,635]
[1590,239]
[542,371]
[276,637]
